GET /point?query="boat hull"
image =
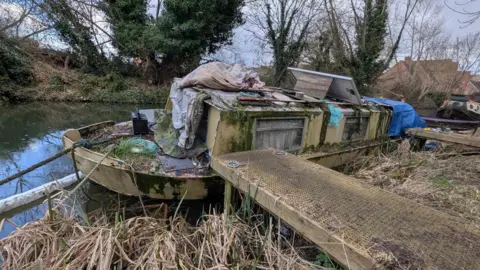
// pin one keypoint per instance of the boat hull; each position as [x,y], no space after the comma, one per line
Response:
[453,124]
[118,176]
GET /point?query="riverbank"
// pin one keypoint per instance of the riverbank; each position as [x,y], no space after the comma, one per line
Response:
[29,72]
[31,132]
[90,88]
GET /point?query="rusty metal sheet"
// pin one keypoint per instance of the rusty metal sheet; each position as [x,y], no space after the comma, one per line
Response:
[171,164]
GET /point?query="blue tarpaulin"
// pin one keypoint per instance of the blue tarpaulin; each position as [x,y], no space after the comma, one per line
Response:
[404,116]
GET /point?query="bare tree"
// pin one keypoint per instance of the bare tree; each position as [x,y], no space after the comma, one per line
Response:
[454,62]
[424,29]
[425,36]
[356,39]
[22,19]
[285,25]
[467,8]
[443,69]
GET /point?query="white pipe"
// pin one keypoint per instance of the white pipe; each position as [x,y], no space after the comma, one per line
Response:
[37,193]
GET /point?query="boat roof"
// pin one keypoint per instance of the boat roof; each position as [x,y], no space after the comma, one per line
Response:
[311,90]
[269,99]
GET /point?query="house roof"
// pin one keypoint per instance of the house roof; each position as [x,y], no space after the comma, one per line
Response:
[476,84]
[441,74]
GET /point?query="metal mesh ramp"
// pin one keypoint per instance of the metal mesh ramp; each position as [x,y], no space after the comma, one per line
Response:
[359,225]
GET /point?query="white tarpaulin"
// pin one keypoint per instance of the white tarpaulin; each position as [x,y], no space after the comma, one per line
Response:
[221,76]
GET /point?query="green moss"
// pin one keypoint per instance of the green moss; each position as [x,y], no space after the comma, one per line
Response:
[245,122]
[235,117]
[147,183]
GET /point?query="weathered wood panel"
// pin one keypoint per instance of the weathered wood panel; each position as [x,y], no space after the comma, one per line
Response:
[352,221]
[445,137]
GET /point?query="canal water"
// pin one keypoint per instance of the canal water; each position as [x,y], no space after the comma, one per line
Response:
[31,132]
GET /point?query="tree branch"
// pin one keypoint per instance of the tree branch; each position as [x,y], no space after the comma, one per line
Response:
[20,19]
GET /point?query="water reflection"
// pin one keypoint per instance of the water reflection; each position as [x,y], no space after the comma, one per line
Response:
[32,132]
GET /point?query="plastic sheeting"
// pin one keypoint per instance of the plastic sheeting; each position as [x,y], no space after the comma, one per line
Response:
[404,116]
[187,110]
[335,115]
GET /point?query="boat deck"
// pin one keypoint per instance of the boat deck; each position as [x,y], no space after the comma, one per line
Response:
[359,225]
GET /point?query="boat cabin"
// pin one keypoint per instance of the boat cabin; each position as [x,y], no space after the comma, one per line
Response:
[322,118]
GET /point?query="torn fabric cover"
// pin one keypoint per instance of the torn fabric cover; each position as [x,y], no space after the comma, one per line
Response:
[167,136]
[188,103]
[222,76]
[186,113]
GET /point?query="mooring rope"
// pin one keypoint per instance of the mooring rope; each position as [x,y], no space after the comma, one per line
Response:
[81,143]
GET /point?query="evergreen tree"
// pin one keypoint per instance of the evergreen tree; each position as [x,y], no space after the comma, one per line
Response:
[362,55]
[371,31]
[189,29]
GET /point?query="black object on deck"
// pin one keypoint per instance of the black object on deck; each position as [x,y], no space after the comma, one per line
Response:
[140,123]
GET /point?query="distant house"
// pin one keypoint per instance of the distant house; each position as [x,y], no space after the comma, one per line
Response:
[416,78]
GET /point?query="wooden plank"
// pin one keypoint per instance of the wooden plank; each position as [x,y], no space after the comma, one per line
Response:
[446,137]
[351,221]
[333,245]
[227,199]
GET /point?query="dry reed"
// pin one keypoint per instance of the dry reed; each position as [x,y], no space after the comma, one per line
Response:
[65,241]
[445,180]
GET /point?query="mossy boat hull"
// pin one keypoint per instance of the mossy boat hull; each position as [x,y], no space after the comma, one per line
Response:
[117,175]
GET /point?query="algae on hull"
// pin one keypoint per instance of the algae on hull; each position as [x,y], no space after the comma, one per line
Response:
[245,121]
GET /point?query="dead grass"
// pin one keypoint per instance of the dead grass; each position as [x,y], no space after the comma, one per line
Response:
[443,180]
[61,241]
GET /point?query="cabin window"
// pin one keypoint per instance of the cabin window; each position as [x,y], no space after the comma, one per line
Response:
[355,128]
[284,134]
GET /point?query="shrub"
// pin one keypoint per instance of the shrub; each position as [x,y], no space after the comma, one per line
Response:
[156,96]
[14,68]
[88,83]
[114,82]
[56,82]
[437,97]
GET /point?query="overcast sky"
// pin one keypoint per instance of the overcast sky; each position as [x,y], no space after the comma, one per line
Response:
[246,49]
[453,18]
